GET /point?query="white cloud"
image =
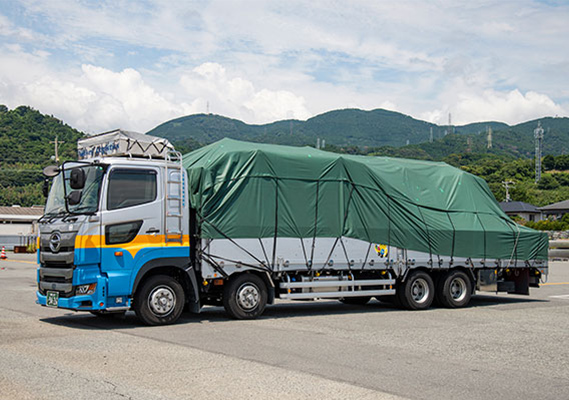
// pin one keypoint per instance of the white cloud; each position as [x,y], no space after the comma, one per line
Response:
[237,97]
[136,64]
[510,107]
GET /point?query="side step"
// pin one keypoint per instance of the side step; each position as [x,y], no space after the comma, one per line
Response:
[347,289]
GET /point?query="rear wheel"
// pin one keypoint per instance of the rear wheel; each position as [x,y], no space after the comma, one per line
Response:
[417,292]
[454,290]
[159,301]
[356,301]
[245,296]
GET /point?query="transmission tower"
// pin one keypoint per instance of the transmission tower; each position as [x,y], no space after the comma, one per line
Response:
[489,137]
[538,135]
[431,136]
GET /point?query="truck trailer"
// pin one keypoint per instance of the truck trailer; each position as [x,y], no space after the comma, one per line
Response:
[134,225]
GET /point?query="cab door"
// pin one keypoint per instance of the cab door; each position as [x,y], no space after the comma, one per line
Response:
[131,225]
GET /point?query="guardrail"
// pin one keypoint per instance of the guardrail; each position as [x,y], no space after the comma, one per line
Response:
[559,249]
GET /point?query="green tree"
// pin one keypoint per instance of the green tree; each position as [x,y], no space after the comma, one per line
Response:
[547,182]
[548,162]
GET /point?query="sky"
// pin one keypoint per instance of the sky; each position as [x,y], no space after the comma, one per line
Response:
[102,65]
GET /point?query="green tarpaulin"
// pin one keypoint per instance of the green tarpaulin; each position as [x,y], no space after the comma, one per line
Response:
[252,190]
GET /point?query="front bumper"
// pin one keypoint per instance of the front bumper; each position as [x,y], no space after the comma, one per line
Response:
[98,301]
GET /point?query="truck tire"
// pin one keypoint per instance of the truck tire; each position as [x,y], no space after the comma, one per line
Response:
[417,292]
[245,296]
[454,289]
[356,301]
[159,301]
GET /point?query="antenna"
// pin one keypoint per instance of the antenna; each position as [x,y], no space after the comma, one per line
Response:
[507,185]
[489,137]
[538,135]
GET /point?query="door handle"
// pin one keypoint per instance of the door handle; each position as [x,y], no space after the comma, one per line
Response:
[153,230]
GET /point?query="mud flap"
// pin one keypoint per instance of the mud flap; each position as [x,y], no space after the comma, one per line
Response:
[520,279]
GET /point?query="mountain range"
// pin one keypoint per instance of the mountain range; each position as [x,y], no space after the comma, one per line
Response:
[372,129]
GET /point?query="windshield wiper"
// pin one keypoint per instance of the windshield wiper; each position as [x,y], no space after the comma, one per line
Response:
[49,217]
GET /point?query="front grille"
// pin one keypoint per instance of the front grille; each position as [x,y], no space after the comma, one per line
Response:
[47,249]
[56,270]
[56,279]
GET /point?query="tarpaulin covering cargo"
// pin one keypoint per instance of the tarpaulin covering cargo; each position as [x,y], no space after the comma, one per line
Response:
[252,190]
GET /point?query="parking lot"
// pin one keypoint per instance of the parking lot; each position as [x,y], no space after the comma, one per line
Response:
[506,347]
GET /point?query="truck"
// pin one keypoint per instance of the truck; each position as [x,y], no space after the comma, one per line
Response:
[134,225]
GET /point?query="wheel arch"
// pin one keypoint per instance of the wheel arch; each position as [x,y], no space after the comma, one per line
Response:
[178,268]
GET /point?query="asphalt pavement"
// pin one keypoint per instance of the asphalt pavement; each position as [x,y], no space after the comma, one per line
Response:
[502,346]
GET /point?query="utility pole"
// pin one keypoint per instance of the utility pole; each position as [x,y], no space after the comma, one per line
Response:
[506,185]
[538,135]
[57,143]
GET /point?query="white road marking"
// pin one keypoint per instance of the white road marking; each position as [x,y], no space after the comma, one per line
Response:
[562,296]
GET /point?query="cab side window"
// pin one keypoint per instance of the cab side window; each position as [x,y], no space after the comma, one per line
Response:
[131,187]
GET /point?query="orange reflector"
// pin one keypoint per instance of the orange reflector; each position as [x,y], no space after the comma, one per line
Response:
[118,253]
[218,282]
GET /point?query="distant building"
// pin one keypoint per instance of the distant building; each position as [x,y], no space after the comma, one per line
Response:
[527,211]
[556,210]
[18,225]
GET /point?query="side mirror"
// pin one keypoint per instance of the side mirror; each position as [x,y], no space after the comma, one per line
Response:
[74,198]
[45,188]
[51,171]
[77,178]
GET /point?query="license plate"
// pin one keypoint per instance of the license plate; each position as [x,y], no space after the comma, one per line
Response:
[52,299]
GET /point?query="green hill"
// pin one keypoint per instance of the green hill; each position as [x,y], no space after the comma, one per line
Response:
[25,148]
[370,129]
[350,127]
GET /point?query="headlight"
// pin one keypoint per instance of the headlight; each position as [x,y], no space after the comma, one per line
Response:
[86,289]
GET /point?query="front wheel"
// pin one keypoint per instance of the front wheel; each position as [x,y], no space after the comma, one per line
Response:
[245,296]
[455,290]
[417,292]
[159,301]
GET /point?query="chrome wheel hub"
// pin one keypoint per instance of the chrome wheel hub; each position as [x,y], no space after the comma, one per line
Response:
[248,296]
[162,300]
[458,289]
[420,290]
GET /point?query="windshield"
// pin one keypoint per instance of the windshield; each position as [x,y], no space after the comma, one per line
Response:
[89,202]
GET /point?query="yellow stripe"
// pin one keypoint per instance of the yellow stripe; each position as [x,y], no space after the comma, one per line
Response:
[22,261]
[554,283]
[138,243]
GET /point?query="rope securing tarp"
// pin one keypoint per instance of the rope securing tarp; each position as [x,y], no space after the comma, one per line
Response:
[252,190]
